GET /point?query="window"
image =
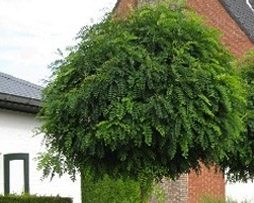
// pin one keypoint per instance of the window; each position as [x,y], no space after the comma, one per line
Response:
[11,157]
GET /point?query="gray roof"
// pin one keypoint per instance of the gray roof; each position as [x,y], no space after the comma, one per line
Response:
[17,94]
[242,11]
[251,3]
[14,86]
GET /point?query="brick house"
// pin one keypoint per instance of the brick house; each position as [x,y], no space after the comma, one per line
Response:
[235,19]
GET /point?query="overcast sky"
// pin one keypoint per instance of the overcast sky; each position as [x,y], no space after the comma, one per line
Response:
[32,30]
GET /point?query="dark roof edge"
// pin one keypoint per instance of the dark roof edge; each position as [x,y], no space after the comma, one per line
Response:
[17,103]
[239,23]
[20,100]
[19,107]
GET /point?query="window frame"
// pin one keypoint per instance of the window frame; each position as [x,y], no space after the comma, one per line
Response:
[12,157]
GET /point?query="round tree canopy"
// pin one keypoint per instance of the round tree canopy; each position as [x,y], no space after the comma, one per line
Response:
[240,163]
[152,94]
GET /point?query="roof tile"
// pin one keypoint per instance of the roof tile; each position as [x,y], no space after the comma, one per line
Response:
[243,13]
[17,87]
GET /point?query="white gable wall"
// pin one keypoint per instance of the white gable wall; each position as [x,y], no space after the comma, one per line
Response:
[17,136]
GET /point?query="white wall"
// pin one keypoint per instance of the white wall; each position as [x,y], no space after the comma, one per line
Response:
[17,136]
[242,192]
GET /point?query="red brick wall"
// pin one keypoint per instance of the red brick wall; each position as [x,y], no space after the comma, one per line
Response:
[123,7]
[215,14]
[207,183]
[176,191]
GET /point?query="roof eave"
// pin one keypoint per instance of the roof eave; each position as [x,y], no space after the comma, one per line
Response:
[17,103]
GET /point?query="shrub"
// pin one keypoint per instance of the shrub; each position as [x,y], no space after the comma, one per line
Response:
[33,199]
[109,190]
[211,199]
[118,191]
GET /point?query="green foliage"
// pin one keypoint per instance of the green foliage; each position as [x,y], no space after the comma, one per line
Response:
[33,199]
[109,190]
[211,199]
[240,163]
[52,162]
[119,190]
[158,193]
[144,97]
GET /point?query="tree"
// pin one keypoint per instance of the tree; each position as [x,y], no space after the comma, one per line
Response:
[240,163]
[144,97]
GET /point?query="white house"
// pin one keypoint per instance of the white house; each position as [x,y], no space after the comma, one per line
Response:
[19,103]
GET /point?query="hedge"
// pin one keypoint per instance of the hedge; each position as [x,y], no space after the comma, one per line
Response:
[108,190]
[33,199]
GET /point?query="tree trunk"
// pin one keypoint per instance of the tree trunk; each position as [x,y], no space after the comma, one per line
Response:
[145,191]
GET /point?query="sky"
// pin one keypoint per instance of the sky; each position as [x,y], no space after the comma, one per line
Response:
[31,31]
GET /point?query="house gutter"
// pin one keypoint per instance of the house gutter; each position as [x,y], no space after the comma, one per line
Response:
[17,103]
